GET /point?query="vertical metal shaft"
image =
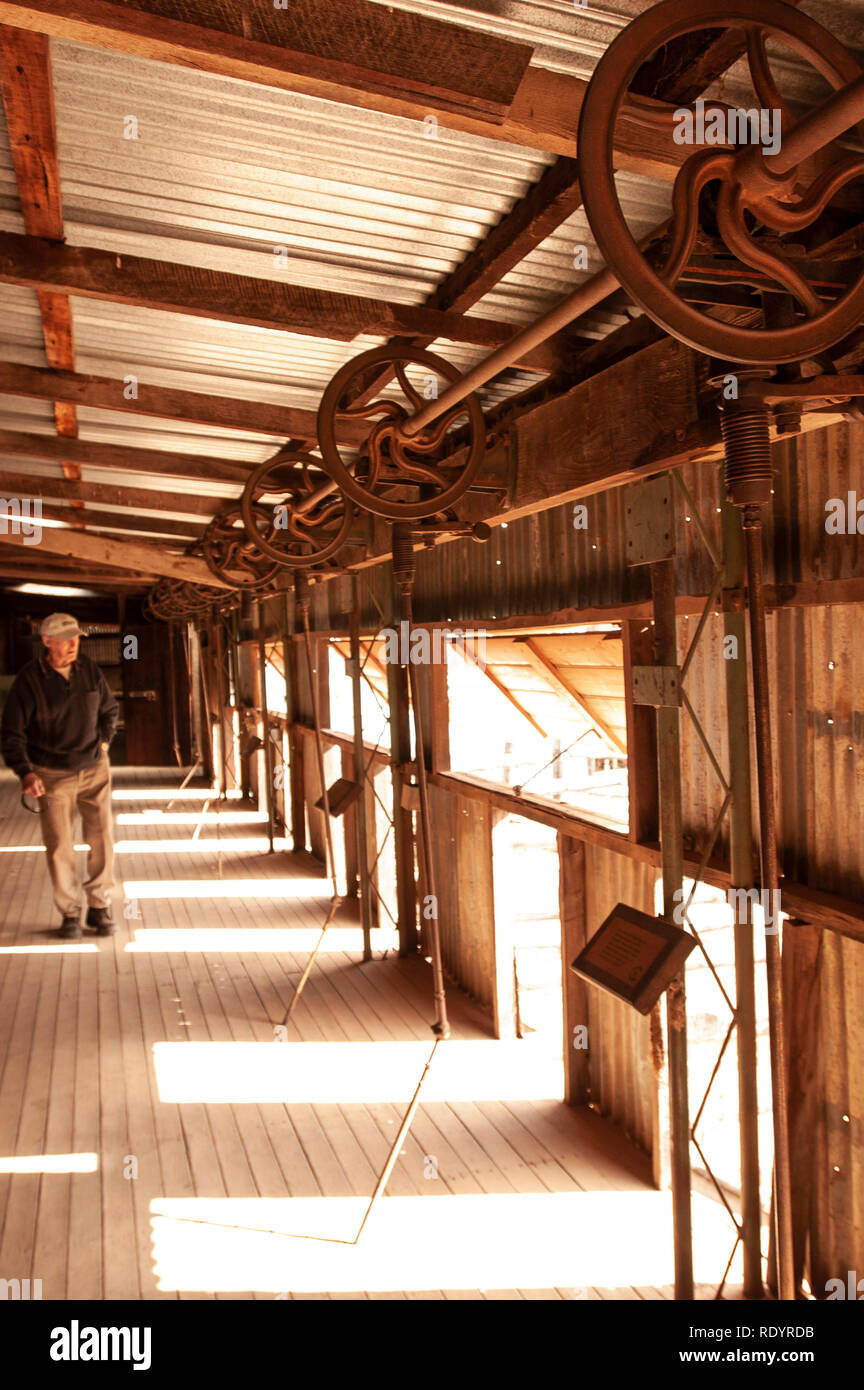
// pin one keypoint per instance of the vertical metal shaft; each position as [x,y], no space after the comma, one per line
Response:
[768,842]
[747,442]
[741,876]
[403,571]
[172,669]
[360,773]
[403,829]
[302,593]
[672,863]
[222,770]
[265,726]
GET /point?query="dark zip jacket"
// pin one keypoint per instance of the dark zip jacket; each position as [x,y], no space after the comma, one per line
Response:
[51,722]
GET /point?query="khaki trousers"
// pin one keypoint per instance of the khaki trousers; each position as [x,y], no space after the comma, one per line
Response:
[87,791]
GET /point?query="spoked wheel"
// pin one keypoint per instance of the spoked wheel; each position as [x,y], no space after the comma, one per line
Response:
[760,196]
[400,476]
[233,556]
[294,514]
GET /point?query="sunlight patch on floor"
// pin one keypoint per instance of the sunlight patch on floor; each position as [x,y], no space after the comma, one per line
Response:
[519,1241]
[332,1073]
[228,888]
[292,940]
[50,1163]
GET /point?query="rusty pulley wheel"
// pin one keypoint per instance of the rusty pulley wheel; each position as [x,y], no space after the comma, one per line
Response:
[232,555]
[294,513]
[398,476]
[756,203]
[178,599]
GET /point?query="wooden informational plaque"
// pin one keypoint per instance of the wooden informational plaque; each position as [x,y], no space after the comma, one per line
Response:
[634,956]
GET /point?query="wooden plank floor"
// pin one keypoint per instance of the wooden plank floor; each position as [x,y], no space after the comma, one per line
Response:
[203,1150]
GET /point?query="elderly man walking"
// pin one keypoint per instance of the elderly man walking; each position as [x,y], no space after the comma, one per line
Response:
[58,722]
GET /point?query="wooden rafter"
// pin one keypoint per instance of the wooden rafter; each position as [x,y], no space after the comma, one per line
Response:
[141,498]
[109,393]
[103,275]
[253,44]
[553,676]
[469,656]
[679,74]
[28,103]
[11,574]
[119,554]
[125,520]
[15,444]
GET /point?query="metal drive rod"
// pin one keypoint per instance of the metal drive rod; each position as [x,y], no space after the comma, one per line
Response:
[265,726]
[599,287]
[360,772]
[301,589]
[396,1148]
[844,109]
[768,841]
[741,876]
[819,127]
[672,864]
[301,585]
[403,571]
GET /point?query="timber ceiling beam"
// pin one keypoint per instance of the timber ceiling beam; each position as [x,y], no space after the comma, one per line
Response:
[482,84]
[12,575]
[143,499]
[28,101]
[644,413]
[110,393]
[15,444]
[118,554]
[125,520]
[42,265]
[677,74]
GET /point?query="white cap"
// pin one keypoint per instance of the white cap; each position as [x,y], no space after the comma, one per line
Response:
[61,626]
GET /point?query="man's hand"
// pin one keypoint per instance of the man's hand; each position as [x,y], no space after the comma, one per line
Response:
[32,785]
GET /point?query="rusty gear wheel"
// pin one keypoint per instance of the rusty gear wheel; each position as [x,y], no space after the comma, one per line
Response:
[293,513]
[777,205]
[231,555]
[400,477]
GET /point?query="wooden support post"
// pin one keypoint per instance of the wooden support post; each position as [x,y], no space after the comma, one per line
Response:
[571,898]
[802,985]
[478,956]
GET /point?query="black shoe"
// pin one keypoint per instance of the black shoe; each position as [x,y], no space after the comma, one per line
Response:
[71,928]
[100,918]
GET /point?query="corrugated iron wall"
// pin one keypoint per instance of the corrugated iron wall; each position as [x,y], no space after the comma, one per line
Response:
[543,565]
[836,1225]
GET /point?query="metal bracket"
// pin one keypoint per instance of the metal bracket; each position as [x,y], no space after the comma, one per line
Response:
[657,685]
[649,522]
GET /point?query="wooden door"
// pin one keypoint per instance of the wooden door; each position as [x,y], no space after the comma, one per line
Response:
[150,708]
